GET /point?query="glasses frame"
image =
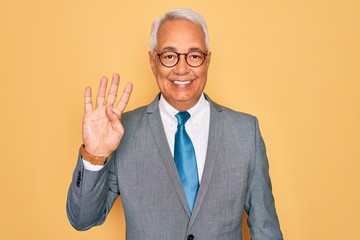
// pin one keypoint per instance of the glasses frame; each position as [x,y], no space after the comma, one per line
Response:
[185,56]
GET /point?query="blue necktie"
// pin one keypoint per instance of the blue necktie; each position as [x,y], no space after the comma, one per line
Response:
[185,160]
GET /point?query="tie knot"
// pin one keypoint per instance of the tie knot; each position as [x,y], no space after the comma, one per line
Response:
[182,117]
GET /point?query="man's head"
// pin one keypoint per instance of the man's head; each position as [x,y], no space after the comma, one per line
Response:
[183,14]
[181,78]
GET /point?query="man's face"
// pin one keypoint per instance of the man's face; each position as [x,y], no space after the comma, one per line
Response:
[180,85]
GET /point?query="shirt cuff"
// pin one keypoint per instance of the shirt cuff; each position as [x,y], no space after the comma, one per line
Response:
[91,167]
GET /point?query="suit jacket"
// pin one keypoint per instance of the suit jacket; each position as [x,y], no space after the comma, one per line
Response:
[143,172]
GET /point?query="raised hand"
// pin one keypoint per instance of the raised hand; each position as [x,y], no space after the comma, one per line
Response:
[102,129]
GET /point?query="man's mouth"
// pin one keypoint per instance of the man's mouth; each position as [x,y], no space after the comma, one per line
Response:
[181,82]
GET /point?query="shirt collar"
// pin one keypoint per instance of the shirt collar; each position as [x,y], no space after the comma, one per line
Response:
[195,111]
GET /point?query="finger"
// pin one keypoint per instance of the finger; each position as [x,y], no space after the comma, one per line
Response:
[124,99]
[112,115]
[87,100]
[100,99]
[113,89]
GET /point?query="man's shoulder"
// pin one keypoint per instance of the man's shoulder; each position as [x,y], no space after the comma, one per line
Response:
[232,114]
[134,114]
[141,111]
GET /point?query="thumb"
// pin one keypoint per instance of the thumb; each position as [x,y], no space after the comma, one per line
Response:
[113,114]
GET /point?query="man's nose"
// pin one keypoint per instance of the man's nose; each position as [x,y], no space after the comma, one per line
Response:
[182,67]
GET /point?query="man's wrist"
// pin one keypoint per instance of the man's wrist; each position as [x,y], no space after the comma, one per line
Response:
[94,160]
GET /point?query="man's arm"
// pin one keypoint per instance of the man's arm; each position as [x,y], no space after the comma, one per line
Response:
[262,218]
[91,195]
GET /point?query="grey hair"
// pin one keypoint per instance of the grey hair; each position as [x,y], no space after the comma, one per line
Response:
[182,14]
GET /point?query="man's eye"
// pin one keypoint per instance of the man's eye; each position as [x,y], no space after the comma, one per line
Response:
[168,56]
[196,56]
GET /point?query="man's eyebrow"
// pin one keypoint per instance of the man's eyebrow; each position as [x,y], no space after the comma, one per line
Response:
[168,49]
[175,49]
[194,49]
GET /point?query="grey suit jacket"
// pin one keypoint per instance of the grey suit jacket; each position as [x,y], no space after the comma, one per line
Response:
[143,172]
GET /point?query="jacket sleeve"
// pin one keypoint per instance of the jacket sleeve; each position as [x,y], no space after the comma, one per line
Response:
[260,207]
[91,195]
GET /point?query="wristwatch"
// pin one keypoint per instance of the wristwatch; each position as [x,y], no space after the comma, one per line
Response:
[94,160]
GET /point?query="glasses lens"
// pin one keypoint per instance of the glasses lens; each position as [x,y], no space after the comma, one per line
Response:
[195,59]
[169,59]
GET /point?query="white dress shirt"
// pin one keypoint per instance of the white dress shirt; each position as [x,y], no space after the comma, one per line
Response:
[197,128]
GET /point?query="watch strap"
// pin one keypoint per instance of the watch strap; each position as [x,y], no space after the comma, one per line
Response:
[94,160]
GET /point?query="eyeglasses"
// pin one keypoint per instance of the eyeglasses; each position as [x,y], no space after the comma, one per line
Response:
[193,58]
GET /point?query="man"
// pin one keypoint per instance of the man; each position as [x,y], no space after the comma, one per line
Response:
[169,192]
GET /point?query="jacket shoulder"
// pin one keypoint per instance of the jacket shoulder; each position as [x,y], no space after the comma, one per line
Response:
[134,116]
[234,115]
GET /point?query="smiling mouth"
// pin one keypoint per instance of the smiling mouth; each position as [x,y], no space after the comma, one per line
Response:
[181,82]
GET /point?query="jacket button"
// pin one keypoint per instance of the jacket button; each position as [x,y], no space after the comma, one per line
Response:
[78,180]
[78,183]
[190,237]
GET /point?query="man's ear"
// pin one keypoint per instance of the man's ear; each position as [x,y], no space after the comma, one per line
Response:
[208,59]
[152,61]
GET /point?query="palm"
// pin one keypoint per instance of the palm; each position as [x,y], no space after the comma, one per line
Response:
[102,129]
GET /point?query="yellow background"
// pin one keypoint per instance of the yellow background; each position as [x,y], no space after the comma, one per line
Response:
[294,64]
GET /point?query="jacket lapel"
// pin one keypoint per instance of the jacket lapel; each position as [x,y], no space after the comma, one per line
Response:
[215,130]
[157,130]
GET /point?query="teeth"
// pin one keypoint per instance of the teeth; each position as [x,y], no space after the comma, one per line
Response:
[182,83]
